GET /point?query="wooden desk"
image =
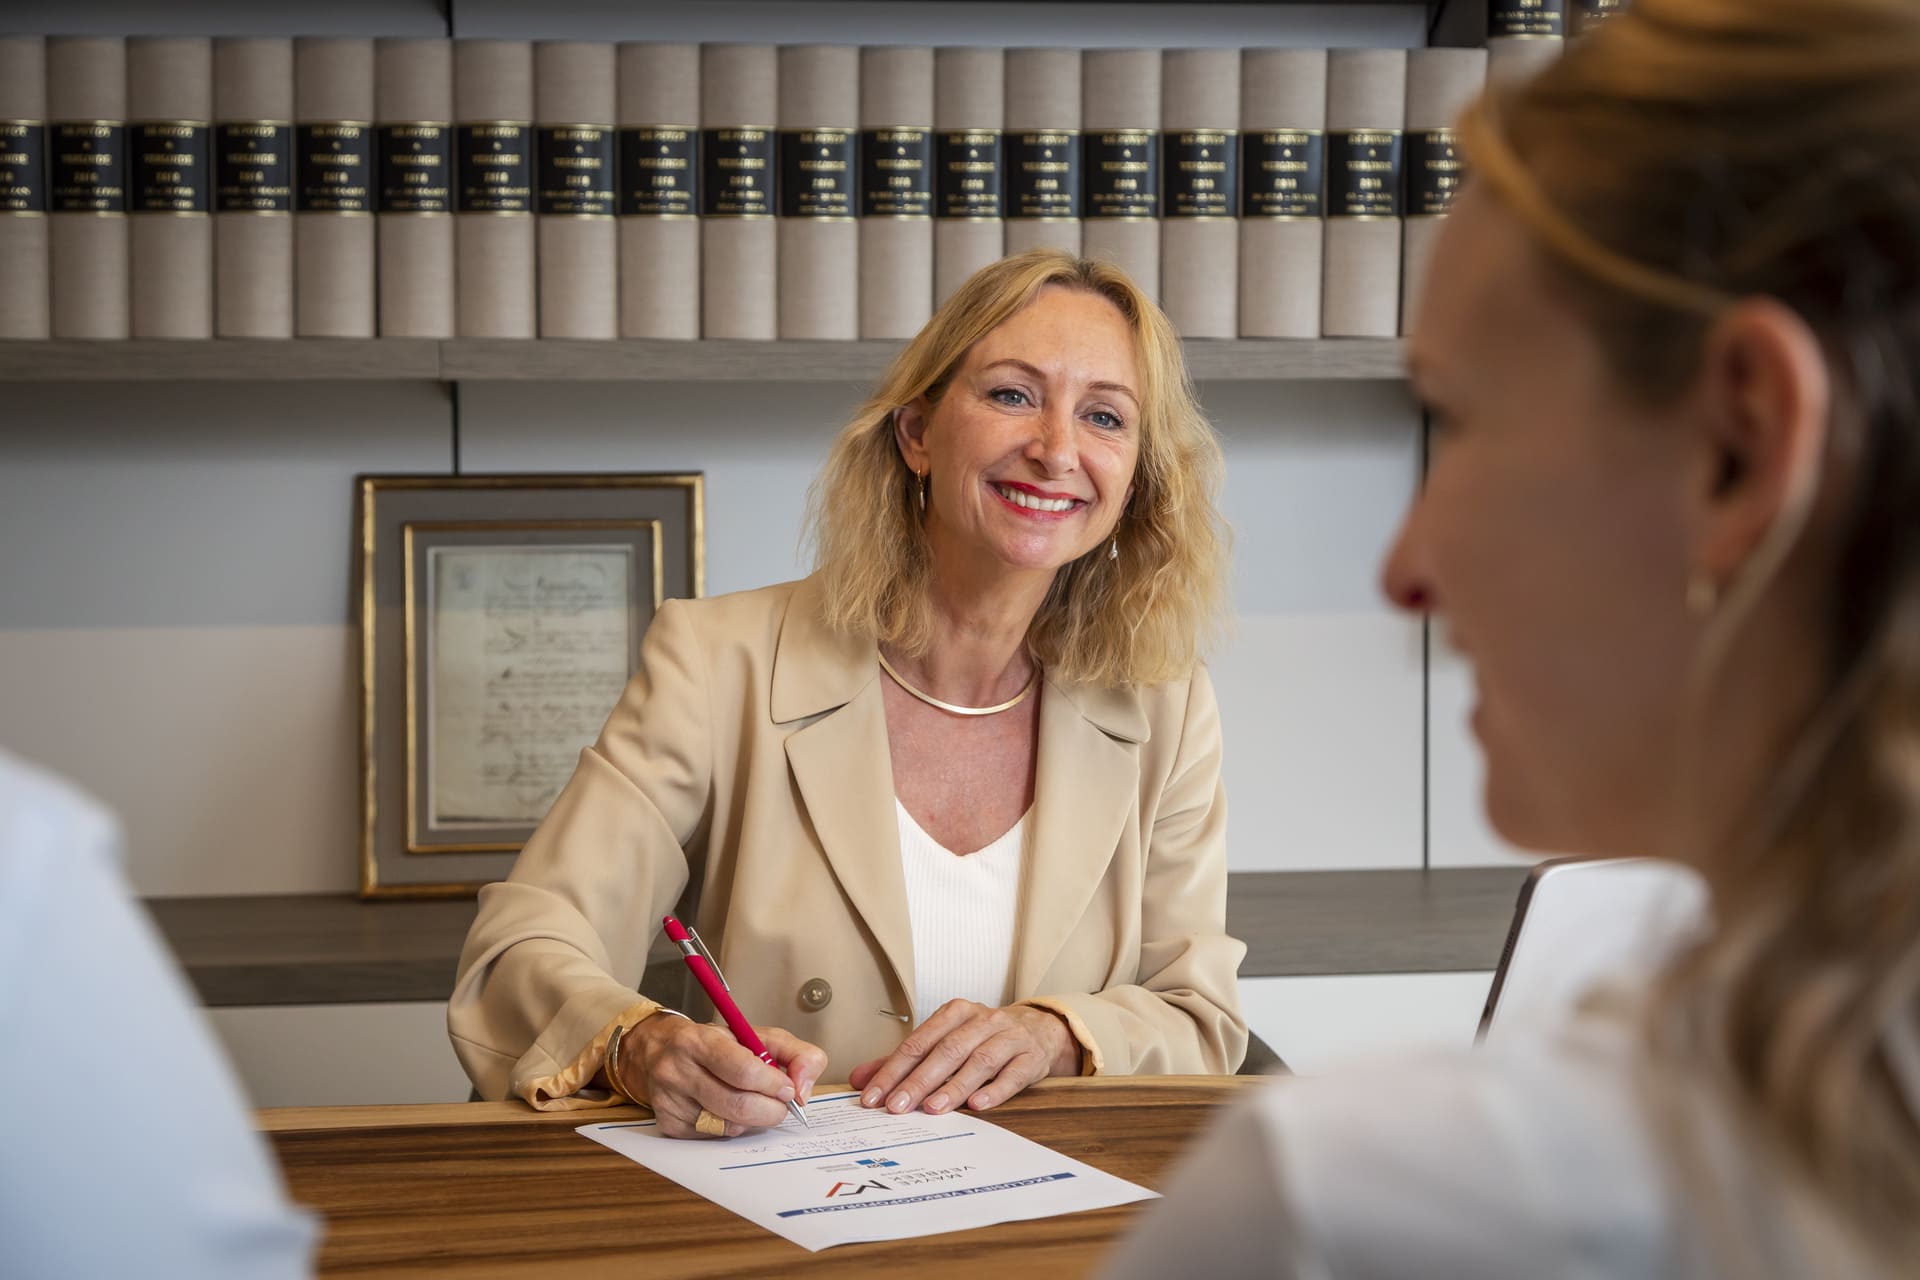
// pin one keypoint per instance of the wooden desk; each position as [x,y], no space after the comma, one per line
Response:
[494,1189]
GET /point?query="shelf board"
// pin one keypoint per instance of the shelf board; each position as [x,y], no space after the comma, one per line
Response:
[336,949]
[645,360]
[219,360]
[628,360]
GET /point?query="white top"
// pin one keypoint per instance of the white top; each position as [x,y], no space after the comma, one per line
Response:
[962,912]
[155,1170]
[1528,1158]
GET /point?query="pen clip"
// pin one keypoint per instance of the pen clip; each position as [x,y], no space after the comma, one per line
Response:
[700,947]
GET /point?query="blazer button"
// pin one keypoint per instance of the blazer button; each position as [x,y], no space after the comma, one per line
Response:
[816,994]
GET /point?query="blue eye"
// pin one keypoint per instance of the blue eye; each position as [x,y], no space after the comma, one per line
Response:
[1018,396]
[1108,421]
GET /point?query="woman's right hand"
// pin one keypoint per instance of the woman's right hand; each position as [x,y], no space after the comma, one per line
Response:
[683,1068]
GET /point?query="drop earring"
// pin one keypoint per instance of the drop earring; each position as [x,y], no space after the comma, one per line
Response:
[1703,595]
[1113,548]
[923,491]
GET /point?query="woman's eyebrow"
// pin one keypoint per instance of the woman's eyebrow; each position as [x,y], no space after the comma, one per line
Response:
[1120,387]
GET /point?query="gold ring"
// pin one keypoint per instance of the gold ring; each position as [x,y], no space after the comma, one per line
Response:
[710,1124]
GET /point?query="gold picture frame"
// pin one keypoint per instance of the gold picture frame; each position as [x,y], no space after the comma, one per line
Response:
[500,616]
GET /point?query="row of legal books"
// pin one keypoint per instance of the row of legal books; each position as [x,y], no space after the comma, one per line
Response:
[327,187]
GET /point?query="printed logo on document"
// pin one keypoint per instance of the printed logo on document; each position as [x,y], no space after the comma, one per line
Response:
[858,1166]
[899,1179]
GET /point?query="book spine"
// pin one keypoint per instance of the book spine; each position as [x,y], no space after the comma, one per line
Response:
[253,187]
[659,190]
[739,122]
[413,186]
[969,158]
[1121,92]
[87,186]
[1366,113]
[1200,191]
[1584,15]
[170,185]
[1283,118]
[896,191]
[1522,37]
[1440,83]
[1044,196]
[333,183]
[26,296]
[493,146]
[574,193]
[818,185]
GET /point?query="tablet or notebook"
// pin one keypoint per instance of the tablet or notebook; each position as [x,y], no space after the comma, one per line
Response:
[1583,921]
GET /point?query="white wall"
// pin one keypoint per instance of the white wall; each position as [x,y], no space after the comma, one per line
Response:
[1316,1024]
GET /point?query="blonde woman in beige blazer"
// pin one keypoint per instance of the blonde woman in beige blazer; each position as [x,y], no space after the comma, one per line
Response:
[1019,556]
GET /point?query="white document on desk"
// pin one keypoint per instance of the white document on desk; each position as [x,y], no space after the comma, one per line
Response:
[862,1174]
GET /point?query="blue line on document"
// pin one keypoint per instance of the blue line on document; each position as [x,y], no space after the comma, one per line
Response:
[648,1124]
[835,1155]
[931,1195]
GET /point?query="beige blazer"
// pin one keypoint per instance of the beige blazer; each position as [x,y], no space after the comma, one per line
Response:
[745,778]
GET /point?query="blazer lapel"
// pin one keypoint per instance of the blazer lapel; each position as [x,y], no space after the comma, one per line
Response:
[841,765]
[1086,790]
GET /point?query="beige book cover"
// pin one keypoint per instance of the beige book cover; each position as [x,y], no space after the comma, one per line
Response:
[494,232]
[1200,191]
[574,193]
[1283,118]
[253,168]
[1440,83]
[1523,36]
[169,188]
[658,113]
[26,294]
[1121,90]
[334,294]
[1366,116]
[739,125]
[819,192]
[1043,150]
[969,146]
[896,191]
[87,186]
[413,172]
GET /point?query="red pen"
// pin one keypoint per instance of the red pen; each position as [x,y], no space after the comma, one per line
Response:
[706,970]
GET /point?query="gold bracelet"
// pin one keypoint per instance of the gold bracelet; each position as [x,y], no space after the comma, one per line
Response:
[612,1062]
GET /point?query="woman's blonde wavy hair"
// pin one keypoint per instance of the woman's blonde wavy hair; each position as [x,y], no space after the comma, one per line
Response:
[1689,153]
[1142,619]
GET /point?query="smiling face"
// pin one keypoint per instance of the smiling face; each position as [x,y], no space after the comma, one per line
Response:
[1551,538]
[1030,453]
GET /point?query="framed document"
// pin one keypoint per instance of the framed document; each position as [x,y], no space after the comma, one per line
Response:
[500,618]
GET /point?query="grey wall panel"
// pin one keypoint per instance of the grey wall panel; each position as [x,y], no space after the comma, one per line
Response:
[758,443]
[1318,474]
[196,505]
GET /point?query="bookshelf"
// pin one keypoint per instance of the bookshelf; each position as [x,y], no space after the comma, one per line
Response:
[554,360]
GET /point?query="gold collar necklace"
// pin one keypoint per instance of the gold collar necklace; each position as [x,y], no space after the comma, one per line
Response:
[954,708]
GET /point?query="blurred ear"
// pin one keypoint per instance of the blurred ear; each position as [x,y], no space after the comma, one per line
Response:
[1767,399]
[910,431]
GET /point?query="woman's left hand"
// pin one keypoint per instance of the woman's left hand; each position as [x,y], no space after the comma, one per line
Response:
[969,1053]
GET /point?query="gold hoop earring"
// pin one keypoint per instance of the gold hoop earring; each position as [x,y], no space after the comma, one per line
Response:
[1703,595]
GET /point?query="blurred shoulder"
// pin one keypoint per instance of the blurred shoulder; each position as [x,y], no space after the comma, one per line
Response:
[1488,1161]
[42,815]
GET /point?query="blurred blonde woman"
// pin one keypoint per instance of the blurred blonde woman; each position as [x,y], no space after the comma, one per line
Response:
[1672,352]
[949,810]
